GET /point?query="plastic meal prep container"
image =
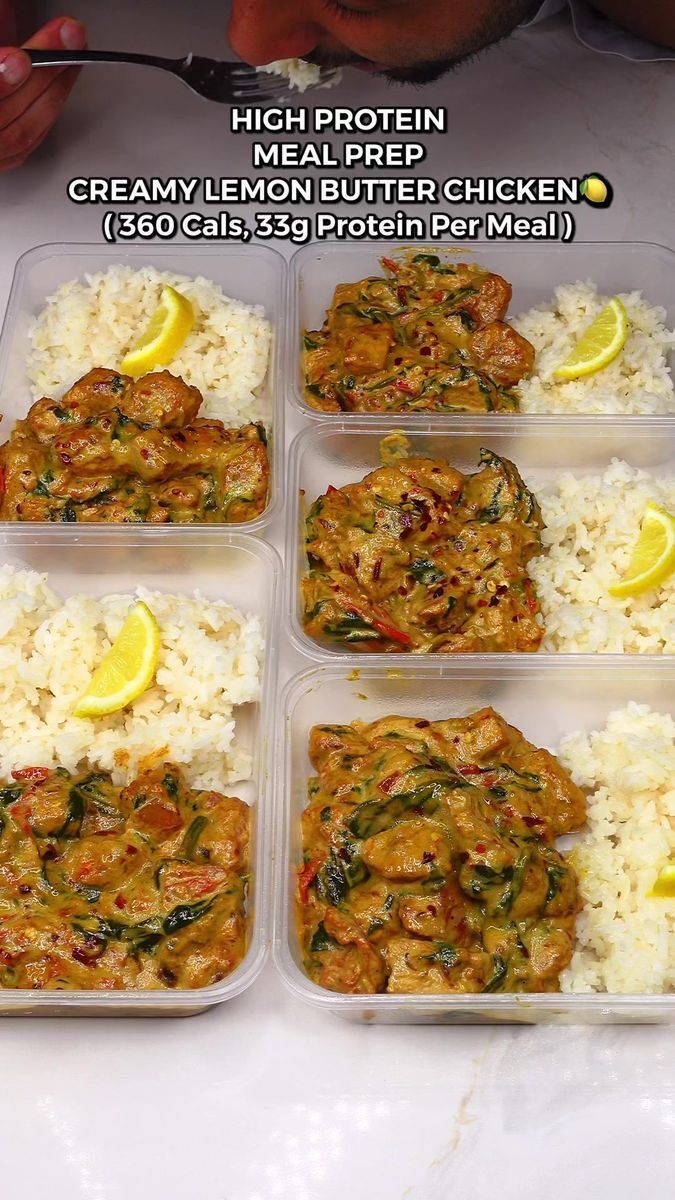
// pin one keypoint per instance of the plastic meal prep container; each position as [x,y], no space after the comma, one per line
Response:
[255,275]
[344,452]
[219,566]
[544,702]
[534,271]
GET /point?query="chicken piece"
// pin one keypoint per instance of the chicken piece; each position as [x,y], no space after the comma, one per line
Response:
[365,351]
[491,301]
[186,883]
[161,399]
[411,850]
[45,808]
[480,734]
[352,965]
[104,860]
[85,450]
[503,353]
[224,838]
[152,801]
[98,391]
[197,953]
[549,945]
[422,916]
[413,968]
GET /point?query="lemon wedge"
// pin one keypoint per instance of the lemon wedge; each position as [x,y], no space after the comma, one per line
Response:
[653,557]
[664,884]
[127,669]
[165,336]
[598,345]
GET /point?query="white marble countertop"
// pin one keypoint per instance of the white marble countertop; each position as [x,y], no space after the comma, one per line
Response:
[264,1099]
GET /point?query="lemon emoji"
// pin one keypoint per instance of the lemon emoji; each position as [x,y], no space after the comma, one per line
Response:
[594,189]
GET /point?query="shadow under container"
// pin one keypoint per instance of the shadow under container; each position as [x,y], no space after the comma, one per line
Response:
[545,703]
[534,271]
[244,572]
[254,275]
[340,453]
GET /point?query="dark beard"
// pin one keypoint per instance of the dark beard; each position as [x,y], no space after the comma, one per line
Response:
[493,29]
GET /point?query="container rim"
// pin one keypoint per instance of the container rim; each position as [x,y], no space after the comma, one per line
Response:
[188,1000]
[277,370]
[332,246]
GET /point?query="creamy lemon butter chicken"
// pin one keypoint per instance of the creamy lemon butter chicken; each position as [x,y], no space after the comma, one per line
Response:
[124,856]
[429,336]
[420,557]
[429,858]
[114,449]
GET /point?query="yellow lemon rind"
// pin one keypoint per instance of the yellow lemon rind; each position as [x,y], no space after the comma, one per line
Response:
[576,366]
[636,583]
[173,320]
[102,697]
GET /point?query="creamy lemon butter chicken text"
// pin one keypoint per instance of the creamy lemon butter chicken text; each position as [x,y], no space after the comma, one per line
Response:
[430,863]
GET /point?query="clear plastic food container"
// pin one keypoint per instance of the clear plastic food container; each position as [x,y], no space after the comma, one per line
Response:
[533,270]
[252,274]
[344,452]
[544,702]
[219,565]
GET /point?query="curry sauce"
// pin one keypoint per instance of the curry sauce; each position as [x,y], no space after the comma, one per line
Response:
[428,337]
[429,859]
[421,558]
[115,450]
[114,888]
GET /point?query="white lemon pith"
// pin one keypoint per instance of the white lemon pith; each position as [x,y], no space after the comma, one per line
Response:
[165,336]
[127,669]
[598,345]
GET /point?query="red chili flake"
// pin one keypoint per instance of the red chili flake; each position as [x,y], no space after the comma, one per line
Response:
[428,857]
[530,821]
[431,908]
[480,848]
[376,569]
[422,724]
[397,362]
[482,604]
[402,294]
[66,459]
[425,350]
[120,902]
[391,265]
[145,454]
[402,591]
[330,489]
[468,768]
[404,386]
[357,558]
[438,296]
[389,783]
[132,850]
[531,599]
[32,774]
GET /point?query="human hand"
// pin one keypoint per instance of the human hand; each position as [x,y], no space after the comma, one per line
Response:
[31,101]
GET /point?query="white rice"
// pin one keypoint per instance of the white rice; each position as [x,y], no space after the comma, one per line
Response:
[625,937]
[638,381]
[209,664]
[300,74]
[95,320]
[592,524]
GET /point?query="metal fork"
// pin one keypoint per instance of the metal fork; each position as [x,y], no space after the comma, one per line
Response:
[224,82]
